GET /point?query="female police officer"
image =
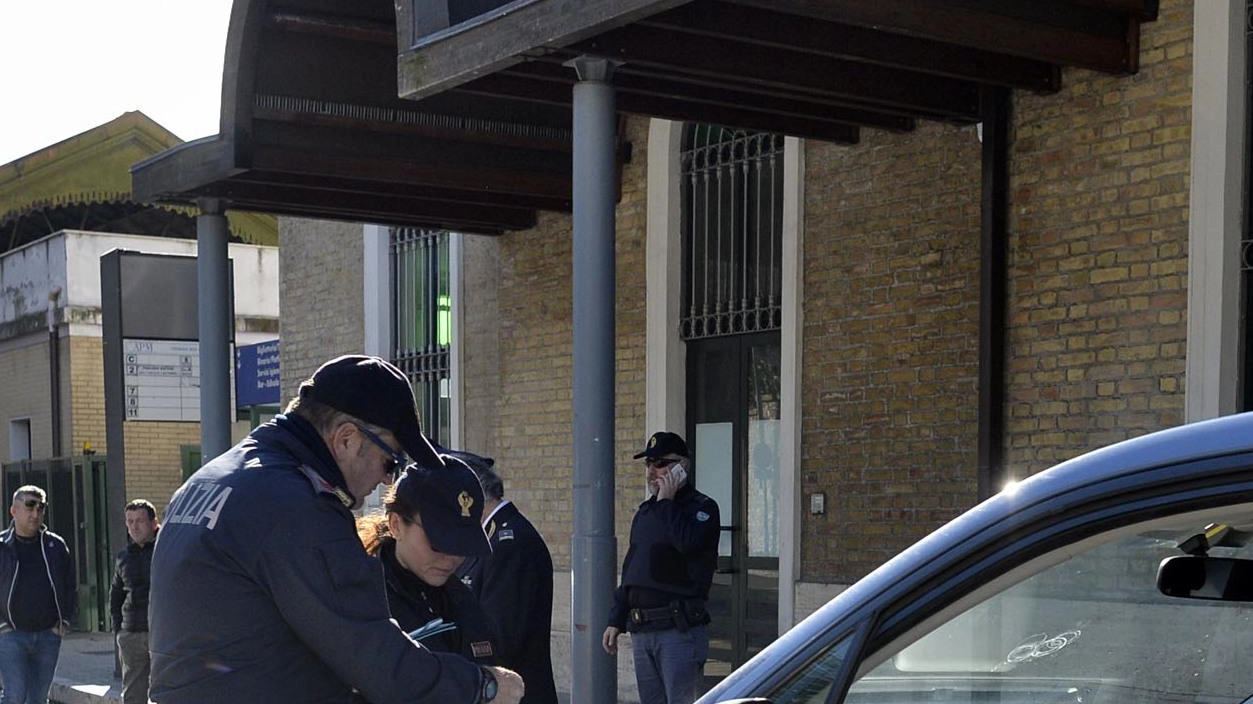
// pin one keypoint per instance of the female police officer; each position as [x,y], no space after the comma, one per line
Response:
[432,522]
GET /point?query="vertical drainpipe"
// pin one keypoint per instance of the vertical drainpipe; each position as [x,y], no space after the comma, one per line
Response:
[993,277]
[54,369]
[594,675]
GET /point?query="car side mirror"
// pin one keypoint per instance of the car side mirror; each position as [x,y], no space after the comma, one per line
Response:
[1205,577]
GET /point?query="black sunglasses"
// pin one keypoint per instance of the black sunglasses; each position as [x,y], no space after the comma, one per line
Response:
[398,458]
[659,462]
[35,504]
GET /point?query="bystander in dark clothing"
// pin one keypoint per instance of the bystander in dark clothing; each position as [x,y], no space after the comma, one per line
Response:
[514,584]
[40,600]
[666,576]
[128,600]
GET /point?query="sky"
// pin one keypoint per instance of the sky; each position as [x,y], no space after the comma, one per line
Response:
[69,65]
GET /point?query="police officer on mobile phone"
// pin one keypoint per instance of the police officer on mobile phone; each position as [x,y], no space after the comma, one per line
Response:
[666,576]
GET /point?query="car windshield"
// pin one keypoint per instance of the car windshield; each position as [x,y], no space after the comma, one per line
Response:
[1090,628]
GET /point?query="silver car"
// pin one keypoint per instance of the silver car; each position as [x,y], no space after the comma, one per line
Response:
[1124,575]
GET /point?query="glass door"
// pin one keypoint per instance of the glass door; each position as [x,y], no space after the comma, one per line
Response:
[733,411]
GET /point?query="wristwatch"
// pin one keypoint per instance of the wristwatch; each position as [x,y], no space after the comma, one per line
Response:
[487,686]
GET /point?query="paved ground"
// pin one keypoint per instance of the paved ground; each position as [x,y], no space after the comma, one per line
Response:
[85,671]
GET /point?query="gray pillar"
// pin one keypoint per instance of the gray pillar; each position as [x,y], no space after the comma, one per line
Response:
[594,674]
[214,297]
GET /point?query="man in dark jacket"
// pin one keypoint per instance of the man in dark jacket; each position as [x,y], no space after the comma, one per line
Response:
[261,589]
[128,599]
[40,599]
[515,585]
[666,577]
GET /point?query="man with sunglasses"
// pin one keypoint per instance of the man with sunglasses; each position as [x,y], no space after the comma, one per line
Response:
[40,599]
[261,590]
[666,577]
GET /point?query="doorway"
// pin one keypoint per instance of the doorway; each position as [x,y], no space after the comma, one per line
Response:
[734,415]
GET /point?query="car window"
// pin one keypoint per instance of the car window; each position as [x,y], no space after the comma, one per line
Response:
[812,684]
[1089,628]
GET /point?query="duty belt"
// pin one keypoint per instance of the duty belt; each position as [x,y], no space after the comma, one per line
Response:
[640,617]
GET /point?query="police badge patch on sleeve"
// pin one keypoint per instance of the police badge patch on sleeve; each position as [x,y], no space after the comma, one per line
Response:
[702,516]
[505,533]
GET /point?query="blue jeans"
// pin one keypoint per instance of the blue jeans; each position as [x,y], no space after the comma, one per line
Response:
[28,660]
[669,664]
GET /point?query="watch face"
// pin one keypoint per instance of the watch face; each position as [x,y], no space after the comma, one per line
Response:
[489,689]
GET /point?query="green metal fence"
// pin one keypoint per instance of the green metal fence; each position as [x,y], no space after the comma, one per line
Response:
[79,511]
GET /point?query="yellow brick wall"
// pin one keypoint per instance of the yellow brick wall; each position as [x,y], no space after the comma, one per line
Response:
[24,393]
[531,307]
[890,342]
[1098,280]
[321,296]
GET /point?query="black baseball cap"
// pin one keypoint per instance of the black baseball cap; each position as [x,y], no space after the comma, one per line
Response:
[477,463]
[375,391]
[449,502]
[662,444]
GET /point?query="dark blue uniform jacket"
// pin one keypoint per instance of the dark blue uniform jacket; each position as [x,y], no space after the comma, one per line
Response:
[515,586]
[262,592]
[415,603]
[673,553]
[128,597]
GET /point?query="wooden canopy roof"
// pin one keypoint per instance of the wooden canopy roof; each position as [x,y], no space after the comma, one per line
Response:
[456,113]
[813,68]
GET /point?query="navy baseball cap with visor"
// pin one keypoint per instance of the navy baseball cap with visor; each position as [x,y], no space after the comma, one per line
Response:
[662,444]
[376,392]
[449,502]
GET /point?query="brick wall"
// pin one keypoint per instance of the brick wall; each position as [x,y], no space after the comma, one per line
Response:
[890,343]
[86,381]
[532,388]
[1098,280]
[24,375]
[320,298]
[479,344]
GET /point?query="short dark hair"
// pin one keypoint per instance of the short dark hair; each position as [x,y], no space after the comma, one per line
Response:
[143,505]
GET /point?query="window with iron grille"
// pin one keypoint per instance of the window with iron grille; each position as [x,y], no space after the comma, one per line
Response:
[422,322]
[732,218]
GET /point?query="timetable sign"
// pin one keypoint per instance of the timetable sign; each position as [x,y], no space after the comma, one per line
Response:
[161,379]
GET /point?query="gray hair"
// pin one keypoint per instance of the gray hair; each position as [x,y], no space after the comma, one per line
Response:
[30,490]
[493,486]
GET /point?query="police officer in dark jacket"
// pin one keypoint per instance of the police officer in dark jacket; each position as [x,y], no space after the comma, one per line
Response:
[432,521]
[666,577]
[128,599]
[261,591]
[515,585]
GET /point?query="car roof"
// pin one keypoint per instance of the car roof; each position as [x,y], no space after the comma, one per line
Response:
[1175,446]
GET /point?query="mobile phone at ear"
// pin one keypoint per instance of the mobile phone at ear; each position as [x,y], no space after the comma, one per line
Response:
[677,473]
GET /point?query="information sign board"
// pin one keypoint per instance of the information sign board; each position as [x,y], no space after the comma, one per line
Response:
[161,379]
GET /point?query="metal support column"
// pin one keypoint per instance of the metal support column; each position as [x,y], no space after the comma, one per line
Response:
[214,313]
[993,283]
[594,675]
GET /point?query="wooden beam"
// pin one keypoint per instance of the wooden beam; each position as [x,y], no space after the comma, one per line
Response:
[550,82]
[1003,26]
[745,66]
[442,166]
[751,25]
[504,37]
[681,107]
[268,197]
[316,182]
